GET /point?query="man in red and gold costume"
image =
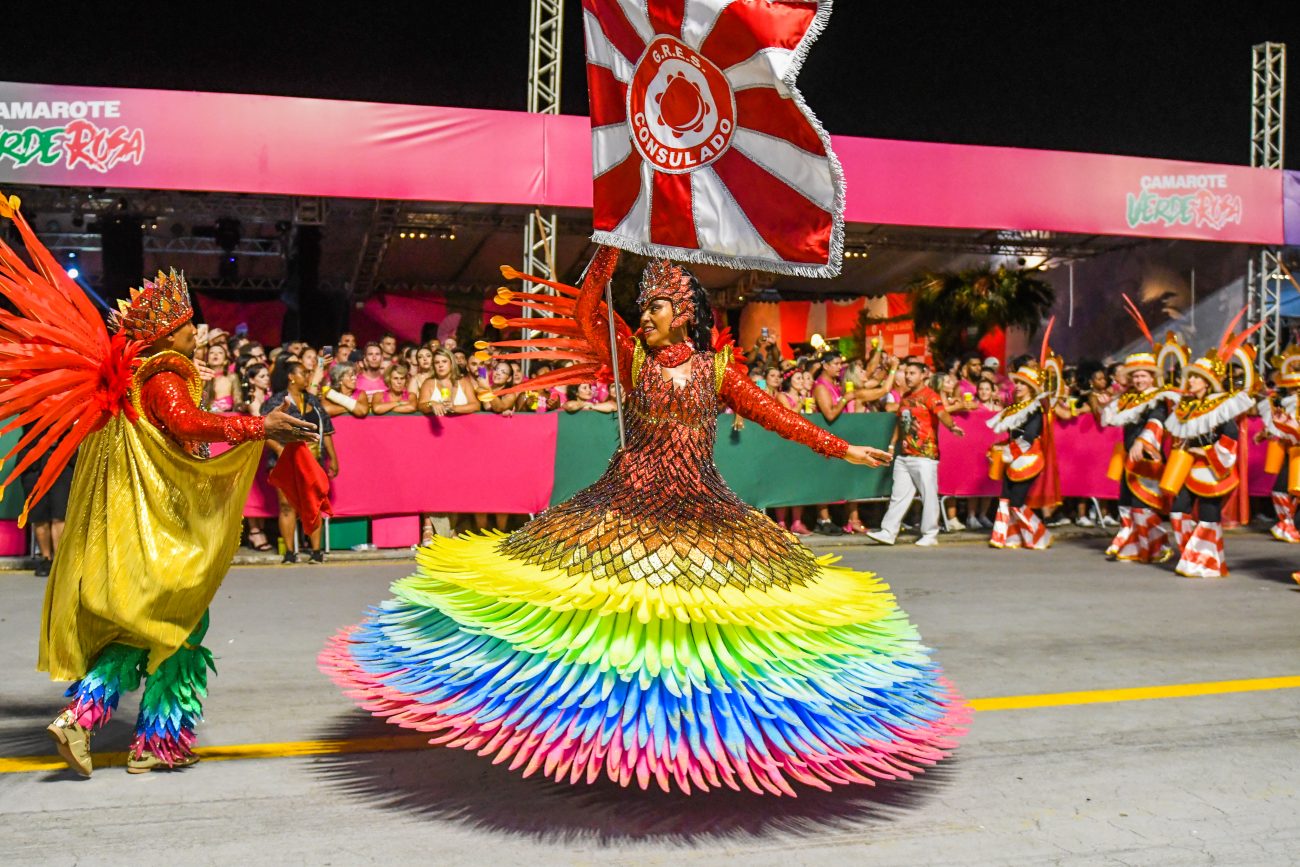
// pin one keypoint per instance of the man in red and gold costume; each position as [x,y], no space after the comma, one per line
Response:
[152,523]
[120,608]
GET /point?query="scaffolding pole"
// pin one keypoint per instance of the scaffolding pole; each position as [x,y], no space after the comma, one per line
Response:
[544,45]
[1267,127]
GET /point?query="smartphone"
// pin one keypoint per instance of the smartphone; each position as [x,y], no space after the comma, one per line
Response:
[764,332]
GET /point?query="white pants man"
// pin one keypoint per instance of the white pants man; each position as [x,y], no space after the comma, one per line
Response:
[912,474]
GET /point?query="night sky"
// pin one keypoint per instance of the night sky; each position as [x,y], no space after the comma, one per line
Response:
[1156,79]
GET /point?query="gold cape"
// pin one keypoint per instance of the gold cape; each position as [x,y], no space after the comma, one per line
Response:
[149,535]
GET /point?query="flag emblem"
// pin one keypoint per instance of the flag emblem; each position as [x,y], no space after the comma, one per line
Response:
[703,150]
[682,109]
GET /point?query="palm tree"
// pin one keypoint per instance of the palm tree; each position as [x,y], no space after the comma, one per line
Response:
[955,310]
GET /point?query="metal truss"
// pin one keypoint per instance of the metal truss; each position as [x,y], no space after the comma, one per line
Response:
[999,243]
[265,285]
[159,205]
[1267,141]
[383,224]
[91,242]
[1264,282]
[1268,104]
[545,42]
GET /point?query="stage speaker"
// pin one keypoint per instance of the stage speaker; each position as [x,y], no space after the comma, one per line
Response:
[122,237]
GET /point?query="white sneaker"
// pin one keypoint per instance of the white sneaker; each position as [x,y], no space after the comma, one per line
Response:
[953,525]
[1108,521]
[1085,521]
[926,542]
[973,523]
[879,536]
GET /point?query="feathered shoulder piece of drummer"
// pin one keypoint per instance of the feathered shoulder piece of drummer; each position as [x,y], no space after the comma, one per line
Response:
[62,375]
[1229,369]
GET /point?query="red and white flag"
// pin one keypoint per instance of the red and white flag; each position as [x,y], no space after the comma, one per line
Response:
[703,150]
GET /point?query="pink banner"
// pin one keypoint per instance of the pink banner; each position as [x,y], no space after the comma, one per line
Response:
[402,315]
[155,139]
[265,319]
[410,464]
[967,186]
[1082,453]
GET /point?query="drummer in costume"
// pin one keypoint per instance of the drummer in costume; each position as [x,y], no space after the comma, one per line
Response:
[1204,425]
[1141,412]
[1282,429]
[1026,462]
[152,524]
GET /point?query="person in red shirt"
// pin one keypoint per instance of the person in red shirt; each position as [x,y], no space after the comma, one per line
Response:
[916,467]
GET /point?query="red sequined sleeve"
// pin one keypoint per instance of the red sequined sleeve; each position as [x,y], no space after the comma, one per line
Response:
[591,316]
[747,399]
[167,402]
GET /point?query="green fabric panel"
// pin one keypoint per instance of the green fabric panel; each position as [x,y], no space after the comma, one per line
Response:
[347,532]
[11,506]
[760,466]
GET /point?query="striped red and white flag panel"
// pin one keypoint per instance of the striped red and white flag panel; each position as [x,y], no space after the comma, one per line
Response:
[773,198]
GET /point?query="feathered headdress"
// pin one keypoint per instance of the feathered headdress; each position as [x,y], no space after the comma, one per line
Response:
[1145,360]
[663,279]
[579,321]
[1288,367]
[61,375]
[1213,365]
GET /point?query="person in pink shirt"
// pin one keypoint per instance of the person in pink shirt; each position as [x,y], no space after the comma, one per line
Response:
[370,373]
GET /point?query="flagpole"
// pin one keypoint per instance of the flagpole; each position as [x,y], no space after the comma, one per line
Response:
[613,360]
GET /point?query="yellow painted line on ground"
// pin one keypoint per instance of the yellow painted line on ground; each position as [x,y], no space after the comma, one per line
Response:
[400,742]
[1139,693]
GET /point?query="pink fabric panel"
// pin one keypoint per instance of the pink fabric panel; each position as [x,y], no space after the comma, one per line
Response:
[413,464]
[1258,482]
[1082,455]
[265,319]
[967,186]
[13,541]
[963,467]
[309,147]
[1083,450]
[403,315]
[312,147]
[398,531]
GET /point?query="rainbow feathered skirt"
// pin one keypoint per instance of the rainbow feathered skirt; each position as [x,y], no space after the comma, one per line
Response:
[577,674]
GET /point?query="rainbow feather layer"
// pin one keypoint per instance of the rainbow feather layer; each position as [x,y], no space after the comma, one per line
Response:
[575,677]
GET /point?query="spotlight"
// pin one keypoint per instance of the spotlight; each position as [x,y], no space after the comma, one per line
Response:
[74,273]
[72,254]
[424,235]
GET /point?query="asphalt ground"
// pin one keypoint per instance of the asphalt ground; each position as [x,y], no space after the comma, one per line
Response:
[1123,716]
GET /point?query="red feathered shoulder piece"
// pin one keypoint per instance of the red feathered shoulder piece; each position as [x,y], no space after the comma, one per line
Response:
[61,375]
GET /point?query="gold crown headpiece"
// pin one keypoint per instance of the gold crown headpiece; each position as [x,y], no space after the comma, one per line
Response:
[156,309]
[1212,367]
[1030,376]
[1288,367]
[663,279]
[1141,361]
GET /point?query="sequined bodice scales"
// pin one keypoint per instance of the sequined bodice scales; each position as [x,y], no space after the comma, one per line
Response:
[662,513]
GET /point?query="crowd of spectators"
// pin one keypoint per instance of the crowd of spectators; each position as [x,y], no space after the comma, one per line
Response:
[438,378]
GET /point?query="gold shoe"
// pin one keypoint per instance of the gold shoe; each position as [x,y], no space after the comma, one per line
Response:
[73,742]
[145,762]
